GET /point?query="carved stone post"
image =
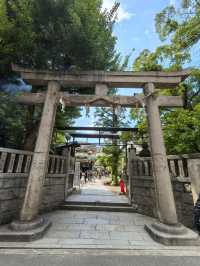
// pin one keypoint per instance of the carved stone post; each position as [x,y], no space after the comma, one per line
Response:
[164,193]
[131,155]
[194,174]
[68,153]
[38,169]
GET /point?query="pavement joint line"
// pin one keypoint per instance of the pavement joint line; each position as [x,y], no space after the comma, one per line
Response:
[100,252]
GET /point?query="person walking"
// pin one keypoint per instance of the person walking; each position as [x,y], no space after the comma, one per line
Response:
[122,187]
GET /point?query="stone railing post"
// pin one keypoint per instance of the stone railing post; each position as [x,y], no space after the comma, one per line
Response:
[194,174]
[39,164]
[131,155]
[68,151]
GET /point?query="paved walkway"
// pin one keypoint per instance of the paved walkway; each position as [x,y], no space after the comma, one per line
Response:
[83,229]
[69,258]
[96,230]
[97,192]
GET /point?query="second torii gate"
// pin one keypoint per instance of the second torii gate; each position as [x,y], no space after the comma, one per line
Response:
[168,226]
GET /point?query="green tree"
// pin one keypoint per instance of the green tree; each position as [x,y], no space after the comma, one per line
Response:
[12,120]
[180,126]
[181,130]
[180,27]
[55,35]
[111,117]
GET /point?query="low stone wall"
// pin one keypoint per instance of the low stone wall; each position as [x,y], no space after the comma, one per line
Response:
[143,194]
[53,193]
[143,190]
[12,191]
[14,170]
[184,201]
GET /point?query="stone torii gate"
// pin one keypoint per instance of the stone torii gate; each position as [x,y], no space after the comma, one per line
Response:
[168,226]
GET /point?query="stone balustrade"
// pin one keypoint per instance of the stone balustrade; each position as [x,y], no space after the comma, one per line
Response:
[17,163]
[14,162]
[57,166]
[143,188]
[178,165]
[14,170]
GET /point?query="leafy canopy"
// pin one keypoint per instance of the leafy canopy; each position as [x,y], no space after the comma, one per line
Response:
[181,28]
[53,35]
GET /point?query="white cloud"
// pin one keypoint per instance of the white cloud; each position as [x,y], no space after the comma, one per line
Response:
[172,2]
[122,13]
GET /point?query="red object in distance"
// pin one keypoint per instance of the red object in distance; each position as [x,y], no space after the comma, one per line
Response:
[121,184]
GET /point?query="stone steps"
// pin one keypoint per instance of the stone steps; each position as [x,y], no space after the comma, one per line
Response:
[99,203]
[97,207]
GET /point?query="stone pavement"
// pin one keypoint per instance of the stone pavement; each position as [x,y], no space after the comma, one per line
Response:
[97,192]
[96,229]
[93,229]
[75,229]
[93,259]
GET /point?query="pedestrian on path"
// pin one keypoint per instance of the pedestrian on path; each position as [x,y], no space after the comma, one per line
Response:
[122,187]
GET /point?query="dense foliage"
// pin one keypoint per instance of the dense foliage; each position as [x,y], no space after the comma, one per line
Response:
[56,35]
[181,28]
[52,34]
[111,155]
[12,120]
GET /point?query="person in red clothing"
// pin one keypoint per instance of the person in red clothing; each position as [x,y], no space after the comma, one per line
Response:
[121,184]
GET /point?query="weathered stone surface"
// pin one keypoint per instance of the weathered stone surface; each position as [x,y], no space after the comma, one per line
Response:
[112,79]
[143,194]
[24,236]
[39,166]
[173,235]
[12,193]
[163,188]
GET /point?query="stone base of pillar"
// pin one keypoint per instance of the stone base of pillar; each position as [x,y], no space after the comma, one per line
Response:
[26,226]
[19,231]
[173,235]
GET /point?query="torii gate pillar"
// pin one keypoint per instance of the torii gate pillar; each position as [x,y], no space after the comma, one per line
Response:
[167,230]
[164,193]
[29,213]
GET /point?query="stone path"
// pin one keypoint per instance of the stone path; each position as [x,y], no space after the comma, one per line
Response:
[97,192]
[97,230]
[96,258]
[93,229]
[75,229]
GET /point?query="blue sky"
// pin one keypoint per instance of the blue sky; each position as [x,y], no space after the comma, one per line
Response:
[135,25]
[134,29]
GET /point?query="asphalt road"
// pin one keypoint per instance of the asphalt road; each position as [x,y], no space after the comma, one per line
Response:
[92,259]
